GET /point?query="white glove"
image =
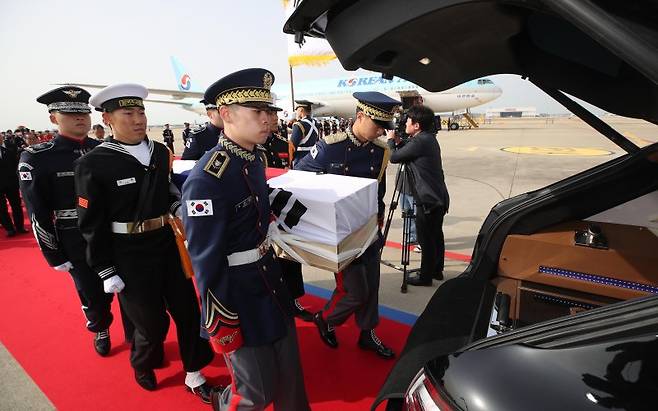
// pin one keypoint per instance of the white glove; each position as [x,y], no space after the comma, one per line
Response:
[113,284]
[67,266]
[179,212]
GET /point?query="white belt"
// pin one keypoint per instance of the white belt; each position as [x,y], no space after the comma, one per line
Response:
[249,256]
[304,148]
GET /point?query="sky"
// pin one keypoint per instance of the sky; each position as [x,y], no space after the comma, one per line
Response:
[43,43]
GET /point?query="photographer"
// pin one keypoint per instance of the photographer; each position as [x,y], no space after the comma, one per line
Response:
[422,156]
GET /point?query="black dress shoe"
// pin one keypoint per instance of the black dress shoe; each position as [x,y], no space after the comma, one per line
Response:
[327,335]
[204,391]
[11,233]
[21,231]
[146,380]
[419,281]
[369,341]
[302,313]
[102,343]
[438,276]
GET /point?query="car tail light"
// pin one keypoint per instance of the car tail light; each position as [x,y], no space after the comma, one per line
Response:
[423,395]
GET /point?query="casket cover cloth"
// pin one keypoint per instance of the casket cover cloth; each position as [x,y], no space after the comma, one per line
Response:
[333,218]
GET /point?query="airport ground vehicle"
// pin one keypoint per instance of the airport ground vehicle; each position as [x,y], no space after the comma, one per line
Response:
[569,268]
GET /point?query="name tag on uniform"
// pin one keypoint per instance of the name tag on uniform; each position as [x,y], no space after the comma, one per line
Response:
[126,181]
[65,174]
[244,203]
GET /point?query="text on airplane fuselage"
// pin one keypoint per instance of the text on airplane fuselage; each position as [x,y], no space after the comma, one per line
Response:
[367,81]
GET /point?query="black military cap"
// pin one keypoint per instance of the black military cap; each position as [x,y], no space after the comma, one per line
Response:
[248,87]
[68,99]
[303,103]
[379,107]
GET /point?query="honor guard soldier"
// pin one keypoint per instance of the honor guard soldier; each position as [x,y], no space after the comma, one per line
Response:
[305,131]
[46,180]
[125,200]
[246,307]
[168,137]
[358,152]
[205,137]
[276,151]
[186,132]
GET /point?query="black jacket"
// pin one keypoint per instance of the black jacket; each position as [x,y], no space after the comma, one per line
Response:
[8,165]
[107,182]
[422,154]
[46,172]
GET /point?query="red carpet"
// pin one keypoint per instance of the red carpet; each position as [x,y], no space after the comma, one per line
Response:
[43,327]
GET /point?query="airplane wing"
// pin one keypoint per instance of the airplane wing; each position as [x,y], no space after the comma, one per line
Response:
[175,94]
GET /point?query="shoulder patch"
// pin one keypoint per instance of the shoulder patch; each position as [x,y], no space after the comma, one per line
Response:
[381,142]
[217,164]
[335,138]
[199,129]
[39,148]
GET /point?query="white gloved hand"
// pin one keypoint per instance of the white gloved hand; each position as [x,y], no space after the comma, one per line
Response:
[67,266]
[179,212]
[113,284]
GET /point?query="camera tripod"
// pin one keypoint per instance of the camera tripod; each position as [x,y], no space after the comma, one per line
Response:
[407,217]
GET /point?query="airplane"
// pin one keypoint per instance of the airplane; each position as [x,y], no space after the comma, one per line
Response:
[333,97]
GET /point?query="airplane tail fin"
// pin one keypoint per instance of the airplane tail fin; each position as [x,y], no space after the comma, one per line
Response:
[183,79]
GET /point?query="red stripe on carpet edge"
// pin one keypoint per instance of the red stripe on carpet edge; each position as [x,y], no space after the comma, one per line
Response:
[449,254]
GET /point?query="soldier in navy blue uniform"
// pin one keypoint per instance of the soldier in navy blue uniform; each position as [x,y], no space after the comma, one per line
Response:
[246,307]
[186,132]
[168,137]
[360,151]
[305,132]
[125,200]
[46,179]
[204,138]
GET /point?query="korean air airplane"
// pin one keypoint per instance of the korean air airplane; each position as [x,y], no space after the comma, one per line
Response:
[333,98]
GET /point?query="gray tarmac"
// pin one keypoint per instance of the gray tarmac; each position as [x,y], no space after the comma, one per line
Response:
[478,173]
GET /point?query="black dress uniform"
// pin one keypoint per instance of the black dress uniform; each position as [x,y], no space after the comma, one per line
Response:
[201,140]
[246,307]
[115,190]
[46,176]
[305,134]
[357,286]
[276,151]
[186,133]
[168,138]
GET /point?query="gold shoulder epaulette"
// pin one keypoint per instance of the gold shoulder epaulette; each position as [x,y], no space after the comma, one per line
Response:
[217,164]
[335,138]
[381,142]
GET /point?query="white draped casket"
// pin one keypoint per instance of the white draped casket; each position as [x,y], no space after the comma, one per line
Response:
[322,220]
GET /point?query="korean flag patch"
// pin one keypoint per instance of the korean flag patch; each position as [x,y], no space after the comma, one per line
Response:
[25,175]
[198,208]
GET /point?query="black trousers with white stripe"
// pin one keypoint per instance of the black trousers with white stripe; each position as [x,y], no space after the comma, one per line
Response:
[96,304]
